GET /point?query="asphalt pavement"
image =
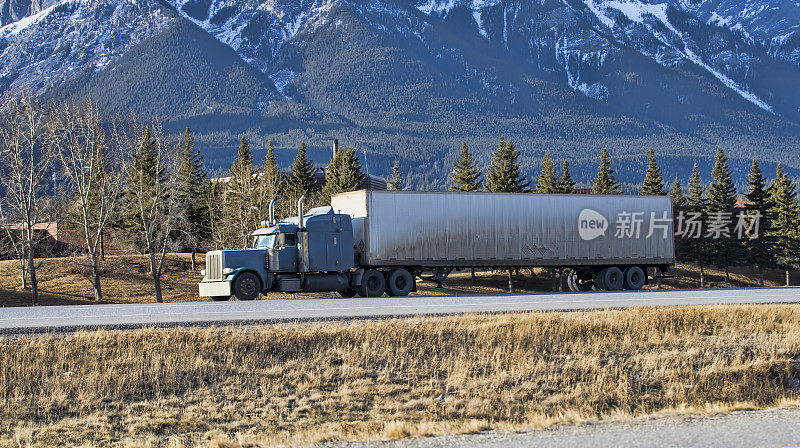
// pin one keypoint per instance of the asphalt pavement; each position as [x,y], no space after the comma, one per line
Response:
[207,312]
[771,428]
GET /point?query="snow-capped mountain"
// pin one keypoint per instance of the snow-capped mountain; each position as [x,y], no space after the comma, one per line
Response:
[705,69]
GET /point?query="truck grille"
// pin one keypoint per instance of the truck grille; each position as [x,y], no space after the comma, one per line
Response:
[214,266]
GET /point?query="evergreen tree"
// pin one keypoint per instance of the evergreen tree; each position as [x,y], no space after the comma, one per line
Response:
[725,248]
[503,175]
[191,180]
[678,198]
[695,246]
[566,184]
[547,182]
[653,182]
[605,182]
[269,183]
[759,250]
[344,173]
[240,201]
[303,177]
[785,212]
[466,176]
[143,176]
[395,182]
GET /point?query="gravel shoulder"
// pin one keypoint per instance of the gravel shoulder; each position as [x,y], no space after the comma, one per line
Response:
[779,427]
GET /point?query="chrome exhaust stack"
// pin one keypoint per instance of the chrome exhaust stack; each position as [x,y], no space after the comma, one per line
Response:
[300,203]
[272,212]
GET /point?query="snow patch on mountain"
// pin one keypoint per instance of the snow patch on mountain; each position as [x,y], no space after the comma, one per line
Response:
[283,78]
[21,24]
[639,12]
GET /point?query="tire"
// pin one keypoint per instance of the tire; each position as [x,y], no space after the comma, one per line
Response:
[571,277]
[399,283]
[246,286]
[634,278]
[220,298]
[610,279]
[579,285]
[346,294]
[372,284]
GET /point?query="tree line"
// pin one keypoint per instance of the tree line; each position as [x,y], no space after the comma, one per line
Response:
[770,212]
[66,161]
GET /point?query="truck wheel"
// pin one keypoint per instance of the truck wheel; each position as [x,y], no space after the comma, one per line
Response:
[610,279]
[220,298]
[576,284]
[246,286]
[399,283]
[372,284]
[346,294]
[634,278]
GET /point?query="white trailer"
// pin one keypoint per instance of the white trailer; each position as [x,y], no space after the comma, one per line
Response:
[608,241]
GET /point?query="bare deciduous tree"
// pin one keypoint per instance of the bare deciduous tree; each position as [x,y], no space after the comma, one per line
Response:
[89,163]
[152,207]
[24,167]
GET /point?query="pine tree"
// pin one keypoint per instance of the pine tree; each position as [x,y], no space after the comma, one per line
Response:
[678,198]
[566,184]
[269,183]
[653,182]
[240,201]
[726,249]
[759,250]
[605,182]
[344,174]
[785,212]
[503,175]
[695,247]
[547,182]
[466,176]
[303,177]
[191,179]
[145,172]
[396,182]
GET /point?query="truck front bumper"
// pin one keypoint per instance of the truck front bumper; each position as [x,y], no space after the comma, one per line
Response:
[215,289]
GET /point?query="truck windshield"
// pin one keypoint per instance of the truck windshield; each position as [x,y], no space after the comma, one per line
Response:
[264,242]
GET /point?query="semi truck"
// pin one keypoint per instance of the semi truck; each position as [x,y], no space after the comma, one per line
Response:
[370,243]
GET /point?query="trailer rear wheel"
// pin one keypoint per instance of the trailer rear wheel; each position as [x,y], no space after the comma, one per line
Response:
[634,278]
[372,284]
[399,283]
[610,279]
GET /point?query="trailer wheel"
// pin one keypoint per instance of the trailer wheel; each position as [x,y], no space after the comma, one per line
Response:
[246,286]
[399,283]
[634,278]
[610,279]
[372,284]
[220,298]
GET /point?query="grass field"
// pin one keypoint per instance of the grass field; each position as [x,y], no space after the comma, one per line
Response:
[317,382]
[126,280]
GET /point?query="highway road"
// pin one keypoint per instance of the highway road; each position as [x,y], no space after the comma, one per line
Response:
[207,312]
[778,428]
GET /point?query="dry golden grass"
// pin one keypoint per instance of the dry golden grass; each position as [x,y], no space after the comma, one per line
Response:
[126,280]
[318,382]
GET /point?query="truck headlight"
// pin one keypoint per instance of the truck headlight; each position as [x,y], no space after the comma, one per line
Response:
[227,271]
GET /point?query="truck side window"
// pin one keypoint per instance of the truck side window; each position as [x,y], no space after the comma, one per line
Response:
[289,239]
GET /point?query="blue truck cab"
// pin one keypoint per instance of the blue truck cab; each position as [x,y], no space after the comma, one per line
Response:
[305,253]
